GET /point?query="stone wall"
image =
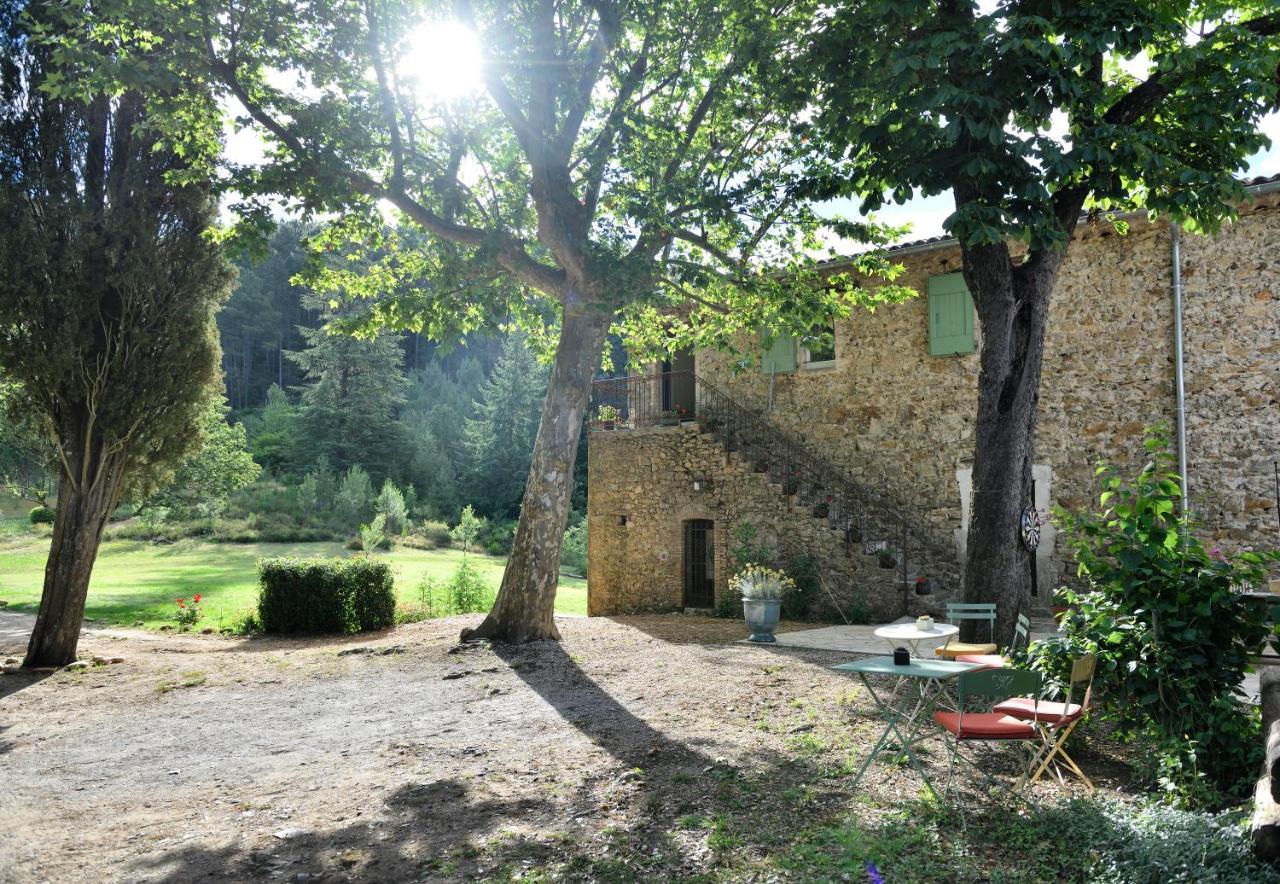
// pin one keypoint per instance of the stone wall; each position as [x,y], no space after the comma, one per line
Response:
[902,420]
[641,492]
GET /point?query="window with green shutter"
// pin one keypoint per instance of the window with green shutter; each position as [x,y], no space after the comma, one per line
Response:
[780,357]
[950,316]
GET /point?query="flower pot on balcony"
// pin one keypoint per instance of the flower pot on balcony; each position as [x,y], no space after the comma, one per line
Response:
[762,618]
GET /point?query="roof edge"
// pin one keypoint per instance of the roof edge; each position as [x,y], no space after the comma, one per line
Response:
[1254,187]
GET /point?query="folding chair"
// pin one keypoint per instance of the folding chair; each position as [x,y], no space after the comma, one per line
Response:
[1021,637]
[1057,720]
[963,726]
[959,611]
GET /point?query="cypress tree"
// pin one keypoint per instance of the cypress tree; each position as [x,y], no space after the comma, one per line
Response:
[108,288]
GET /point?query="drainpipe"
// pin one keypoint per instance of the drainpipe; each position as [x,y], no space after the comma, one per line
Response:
[1180,392]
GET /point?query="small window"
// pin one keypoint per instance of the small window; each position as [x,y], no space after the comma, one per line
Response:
[819,348]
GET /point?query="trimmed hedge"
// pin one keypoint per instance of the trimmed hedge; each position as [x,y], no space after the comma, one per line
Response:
[40,515]
[325,595]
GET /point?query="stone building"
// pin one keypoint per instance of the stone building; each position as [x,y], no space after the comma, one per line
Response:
[860,458]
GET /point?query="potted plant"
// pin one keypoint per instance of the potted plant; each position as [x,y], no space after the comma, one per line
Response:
[762,590]
[1060,605]
[887,556]
[922,586]
[606,417]
[822,508]
[791,484]
[669,418]
[762,463]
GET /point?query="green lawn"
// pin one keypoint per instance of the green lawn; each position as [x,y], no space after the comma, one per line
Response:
[139,581]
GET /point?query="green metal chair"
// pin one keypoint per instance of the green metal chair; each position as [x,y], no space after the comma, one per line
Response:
[957,612]
[962,726]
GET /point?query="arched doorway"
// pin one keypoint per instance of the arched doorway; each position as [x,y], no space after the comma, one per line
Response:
[699,563]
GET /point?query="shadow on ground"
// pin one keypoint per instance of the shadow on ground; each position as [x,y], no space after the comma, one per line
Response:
[12,682]
[400,840]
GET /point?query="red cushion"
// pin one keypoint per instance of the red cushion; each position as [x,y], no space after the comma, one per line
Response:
[1051,713]
[986,726]
[990,661]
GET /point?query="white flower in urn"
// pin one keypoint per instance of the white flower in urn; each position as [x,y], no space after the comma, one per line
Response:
[759,582]
[924,623]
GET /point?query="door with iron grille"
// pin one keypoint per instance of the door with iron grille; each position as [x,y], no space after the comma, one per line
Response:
[699,564]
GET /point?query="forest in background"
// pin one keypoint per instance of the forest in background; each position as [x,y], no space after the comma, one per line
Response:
[322,435]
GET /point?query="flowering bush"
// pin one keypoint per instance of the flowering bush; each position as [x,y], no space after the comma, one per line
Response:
[607,414]
[759,582]
[188,615]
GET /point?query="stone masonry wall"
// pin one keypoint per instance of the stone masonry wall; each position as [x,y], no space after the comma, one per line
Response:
[902,420]
[640,486]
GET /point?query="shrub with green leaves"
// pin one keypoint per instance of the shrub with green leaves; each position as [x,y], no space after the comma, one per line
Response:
[1171,632]
[437,533]
[468,592]
[325,595]
[467,531]
[392,508]
[40,515]
[374,536]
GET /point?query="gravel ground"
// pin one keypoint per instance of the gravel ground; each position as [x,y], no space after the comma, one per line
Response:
[406,756]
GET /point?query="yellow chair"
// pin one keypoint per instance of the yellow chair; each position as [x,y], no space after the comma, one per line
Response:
[960,611]
[1057,720]
[1021,637]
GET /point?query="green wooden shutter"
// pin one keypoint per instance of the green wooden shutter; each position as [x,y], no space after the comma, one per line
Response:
[950,316]
[781,357]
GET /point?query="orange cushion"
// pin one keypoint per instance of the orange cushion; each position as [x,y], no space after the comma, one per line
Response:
[986,726]
[990,661]
[955,649]
[1051,713]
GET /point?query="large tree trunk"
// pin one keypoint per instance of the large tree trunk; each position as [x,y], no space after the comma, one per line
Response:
[77,532]
[525,607]
[1012,305]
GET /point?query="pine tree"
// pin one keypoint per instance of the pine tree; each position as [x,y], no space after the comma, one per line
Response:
[433,474]
[349,408]
[500,438]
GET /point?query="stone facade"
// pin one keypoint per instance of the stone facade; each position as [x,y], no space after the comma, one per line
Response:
[645,484]
[900,419]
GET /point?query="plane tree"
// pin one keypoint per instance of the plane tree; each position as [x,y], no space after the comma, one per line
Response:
[609,162]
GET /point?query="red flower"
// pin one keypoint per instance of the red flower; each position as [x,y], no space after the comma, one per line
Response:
[196,598]
[179,601]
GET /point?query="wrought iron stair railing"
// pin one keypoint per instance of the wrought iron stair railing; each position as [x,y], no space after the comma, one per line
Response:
[871,520]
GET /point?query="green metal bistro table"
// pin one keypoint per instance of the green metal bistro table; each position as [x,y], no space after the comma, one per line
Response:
[929,678]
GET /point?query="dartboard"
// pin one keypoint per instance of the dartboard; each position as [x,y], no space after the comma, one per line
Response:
[1029,526]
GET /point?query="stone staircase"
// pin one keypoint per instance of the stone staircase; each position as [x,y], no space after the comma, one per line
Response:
[880,537]
[872,559]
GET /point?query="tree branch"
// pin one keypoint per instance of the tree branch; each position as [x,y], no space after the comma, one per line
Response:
[510,253]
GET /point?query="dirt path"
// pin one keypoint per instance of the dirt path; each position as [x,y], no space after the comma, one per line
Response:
[406,757]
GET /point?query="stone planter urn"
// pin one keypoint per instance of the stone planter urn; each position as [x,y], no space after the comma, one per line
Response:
[762,618]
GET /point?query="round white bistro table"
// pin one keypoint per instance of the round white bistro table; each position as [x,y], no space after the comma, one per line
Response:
[896,633]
